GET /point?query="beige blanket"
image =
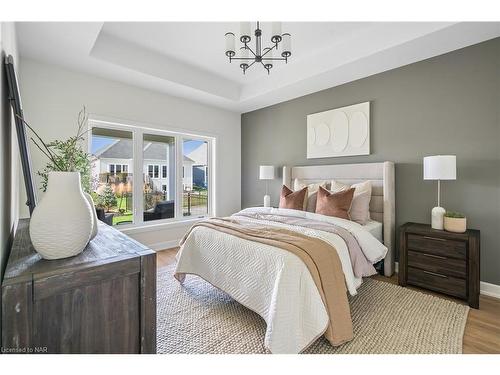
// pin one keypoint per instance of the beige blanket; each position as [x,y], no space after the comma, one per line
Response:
[320,258]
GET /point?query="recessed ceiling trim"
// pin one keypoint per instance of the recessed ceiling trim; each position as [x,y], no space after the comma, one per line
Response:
[120,52]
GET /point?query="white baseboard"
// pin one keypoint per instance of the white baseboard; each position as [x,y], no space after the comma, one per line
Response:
[491,290]
[164,245]
[486,289]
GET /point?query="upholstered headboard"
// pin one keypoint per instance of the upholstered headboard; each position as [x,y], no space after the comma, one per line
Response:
[382,204]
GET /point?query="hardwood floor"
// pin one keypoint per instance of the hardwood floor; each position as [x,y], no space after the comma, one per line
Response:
[482,331]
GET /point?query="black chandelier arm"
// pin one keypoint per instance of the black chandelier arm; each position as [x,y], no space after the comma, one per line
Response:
[270,49]
[247,47]
[265,67]
[273,58]
[251,64]
[243,58]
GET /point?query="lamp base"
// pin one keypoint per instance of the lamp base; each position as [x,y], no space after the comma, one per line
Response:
[267,201]
[437,218]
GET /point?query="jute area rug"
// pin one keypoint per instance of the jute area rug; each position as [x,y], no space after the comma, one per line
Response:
[198,318]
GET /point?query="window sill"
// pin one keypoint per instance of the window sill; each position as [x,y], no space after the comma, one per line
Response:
[152,227]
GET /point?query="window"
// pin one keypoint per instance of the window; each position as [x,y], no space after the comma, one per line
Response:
[159,197]
[154,171]
[170,171]
[195,178]
[117,168]
[112,186]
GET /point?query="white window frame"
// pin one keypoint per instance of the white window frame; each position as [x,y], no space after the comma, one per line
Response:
[164,175]
[138,130]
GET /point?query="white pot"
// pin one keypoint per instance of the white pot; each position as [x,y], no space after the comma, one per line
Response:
[61,224]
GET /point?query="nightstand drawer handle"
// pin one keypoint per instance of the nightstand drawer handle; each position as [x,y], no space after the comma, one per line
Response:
[434,238]
[436,274]
[433,256]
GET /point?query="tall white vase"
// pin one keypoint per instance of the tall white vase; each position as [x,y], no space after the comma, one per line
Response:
[61,224]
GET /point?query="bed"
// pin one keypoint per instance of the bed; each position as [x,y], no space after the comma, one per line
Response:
[280,285]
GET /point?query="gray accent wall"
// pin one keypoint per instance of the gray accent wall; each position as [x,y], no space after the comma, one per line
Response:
[448,104]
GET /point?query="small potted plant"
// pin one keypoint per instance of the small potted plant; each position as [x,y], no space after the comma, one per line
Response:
[455,222]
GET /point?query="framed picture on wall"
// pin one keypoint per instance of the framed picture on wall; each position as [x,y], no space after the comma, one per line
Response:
[339,132]
[17,110]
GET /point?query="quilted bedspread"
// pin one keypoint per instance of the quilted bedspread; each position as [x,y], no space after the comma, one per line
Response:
[274,283]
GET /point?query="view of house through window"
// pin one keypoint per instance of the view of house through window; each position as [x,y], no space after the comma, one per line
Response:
[170,172]
[195,177]
[159,177]
[112,159]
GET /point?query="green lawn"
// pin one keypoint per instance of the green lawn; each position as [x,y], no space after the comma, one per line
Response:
[198,198]
[128,217]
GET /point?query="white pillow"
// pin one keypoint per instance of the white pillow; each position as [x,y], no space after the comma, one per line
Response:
[360,206]
[312,192]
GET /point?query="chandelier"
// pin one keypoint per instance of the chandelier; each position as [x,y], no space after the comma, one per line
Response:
[263,56]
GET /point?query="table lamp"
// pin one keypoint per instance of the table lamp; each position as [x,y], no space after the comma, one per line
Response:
[439,167]
[266,173]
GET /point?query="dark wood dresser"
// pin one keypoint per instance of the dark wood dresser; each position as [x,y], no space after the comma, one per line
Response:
[100,301]
[441,261]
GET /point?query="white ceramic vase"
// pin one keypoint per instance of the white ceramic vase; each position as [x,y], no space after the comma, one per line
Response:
[94,215]
[437,216]
[61,224]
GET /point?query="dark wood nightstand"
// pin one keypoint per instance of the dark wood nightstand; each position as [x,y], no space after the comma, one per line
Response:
[441,261]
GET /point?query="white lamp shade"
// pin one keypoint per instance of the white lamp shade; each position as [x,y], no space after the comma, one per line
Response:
[286,44]
[266,172]
[276,29]
[245,28]
[230,43]
[440,167]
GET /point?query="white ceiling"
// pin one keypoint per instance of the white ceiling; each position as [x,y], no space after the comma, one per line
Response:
[186,59]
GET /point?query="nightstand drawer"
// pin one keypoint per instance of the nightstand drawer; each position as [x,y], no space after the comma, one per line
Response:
[438,264]
[437,282]
[437,246]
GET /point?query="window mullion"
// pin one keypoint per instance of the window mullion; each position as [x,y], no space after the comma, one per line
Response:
[178,179]
[138,177]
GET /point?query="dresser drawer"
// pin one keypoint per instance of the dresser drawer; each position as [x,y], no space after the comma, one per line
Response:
[437,282]
[438,264]
[437,246]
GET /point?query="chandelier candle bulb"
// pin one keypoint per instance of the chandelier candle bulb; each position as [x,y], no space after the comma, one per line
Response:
[244,54]
[245,30]
[276,29]
[230,45]
[286,45]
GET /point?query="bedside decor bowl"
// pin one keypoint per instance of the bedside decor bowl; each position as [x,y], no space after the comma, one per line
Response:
[456,223]
[62,223]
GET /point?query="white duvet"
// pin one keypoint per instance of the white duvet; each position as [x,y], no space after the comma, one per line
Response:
[273,282]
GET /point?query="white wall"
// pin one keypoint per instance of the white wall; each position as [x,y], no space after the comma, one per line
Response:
[9,154]
[53,96]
